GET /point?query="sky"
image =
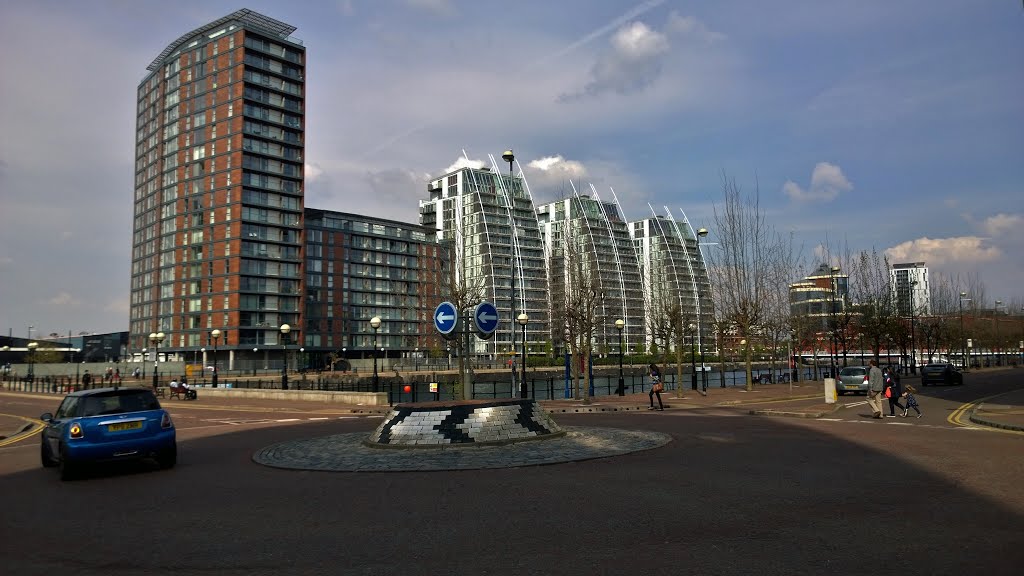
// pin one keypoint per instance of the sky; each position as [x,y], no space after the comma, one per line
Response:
[889,126]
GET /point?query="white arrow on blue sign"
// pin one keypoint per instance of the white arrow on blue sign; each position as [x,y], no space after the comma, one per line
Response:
[485,315]
[446,318]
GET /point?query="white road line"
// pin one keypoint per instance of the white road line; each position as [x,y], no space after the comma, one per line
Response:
[289,420]
[319,418]
[852,404]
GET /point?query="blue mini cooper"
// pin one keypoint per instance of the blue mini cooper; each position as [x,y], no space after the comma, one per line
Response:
[105,425]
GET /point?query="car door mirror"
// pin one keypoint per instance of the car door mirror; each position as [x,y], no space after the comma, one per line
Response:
[46,417]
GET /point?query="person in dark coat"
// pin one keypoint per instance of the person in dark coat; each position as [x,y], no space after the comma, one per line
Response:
[895,390]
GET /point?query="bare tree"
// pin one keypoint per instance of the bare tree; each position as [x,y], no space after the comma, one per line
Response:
[876,305]
[577,298]
[744,264]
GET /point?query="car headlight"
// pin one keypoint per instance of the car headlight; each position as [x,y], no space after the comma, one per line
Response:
[75,430]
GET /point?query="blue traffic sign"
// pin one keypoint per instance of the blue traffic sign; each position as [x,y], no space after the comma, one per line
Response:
[485,316]
[446,318]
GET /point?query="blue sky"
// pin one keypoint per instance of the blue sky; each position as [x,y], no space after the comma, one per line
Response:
[890,125]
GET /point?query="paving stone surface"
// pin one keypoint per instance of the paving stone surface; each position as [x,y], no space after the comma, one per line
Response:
[348,453]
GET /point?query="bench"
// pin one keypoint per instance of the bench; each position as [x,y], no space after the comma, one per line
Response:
[160,392]
[175,392]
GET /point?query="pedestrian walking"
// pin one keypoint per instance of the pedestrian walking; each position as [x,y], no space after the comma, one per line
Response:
[656,387]
[893,391]
[911,400]
[86,379]
[117,374]
[876,386]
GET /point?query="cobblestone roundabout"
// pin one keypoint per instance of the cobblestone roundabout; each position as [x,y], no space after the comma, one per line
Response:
[348,453]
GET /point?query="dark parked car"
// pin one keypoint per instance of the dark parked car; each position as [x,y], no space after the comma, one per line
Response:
[852,379]
[104,425]
[940,373]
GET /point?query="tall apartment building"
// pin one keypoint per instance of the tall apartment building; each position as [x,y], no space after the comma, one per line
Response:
[358,267]
[217,236]
[599,233]
[487,227]
[673,271]
[910,289]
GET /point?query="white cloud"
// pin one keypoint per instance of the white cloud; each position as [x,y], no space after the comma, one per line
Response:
[62,299]
[633,62]
[463,162]
[312,172]
[827,182]
[556,165]
[688,26]
[940,251]
[1003,224]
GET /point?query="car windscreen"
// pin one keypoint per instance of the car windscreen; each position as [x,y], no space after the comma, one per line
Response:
[852,372]
[118,402]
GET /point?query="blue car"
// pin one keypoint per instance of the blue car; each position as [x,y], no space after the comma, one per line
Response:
[106,425]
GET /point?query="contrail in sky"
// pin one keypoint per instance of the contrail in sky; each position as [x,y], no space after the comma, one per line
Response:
[588,38]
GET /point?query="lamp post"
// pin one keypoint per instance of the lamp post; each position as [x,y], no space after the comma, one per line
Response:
[998,347]
[693,355]
[621,390]
[523,319]
[32,359]
[285,329]
[509,157]
[302,361]
[216,336]
[255,360]
[913,339]
[5,350]
[155,339]
[701,233]
[834,325]
[375,324]
[144,350]
[963,343]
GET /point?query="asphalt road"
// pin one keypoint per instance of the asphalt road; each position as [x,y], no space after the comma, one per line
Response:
[732,494]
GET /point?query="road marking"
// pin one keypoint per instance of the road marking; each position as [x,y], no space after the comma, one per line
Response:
[319,418]
[37,427]
[852,404]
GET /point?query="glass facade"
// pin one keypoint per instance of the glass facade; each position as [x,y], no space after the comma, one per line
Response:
[600,233]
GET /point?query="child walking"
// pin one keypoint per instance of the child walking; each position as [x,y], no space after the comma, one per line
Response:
[908,394]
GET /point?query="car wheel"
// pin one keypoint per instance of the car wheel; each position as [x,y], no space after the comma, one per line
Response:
[68,468]
[45,456]
[168,457]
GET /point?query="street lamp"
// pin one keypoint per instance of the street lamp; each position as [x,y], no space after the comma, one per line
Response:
[693,355]
[701,233]
[621,390]
[285,329]
[155,339]
[216,336]
[963,343]
[523,319]
[913,352]
[255,360]
[995,317]
[144,350]
[509,157]
[32,359]
[375,324]
[835,326]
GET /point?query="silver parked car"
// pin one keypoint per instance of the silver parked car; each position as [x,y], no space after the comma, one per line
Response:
[853,379]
